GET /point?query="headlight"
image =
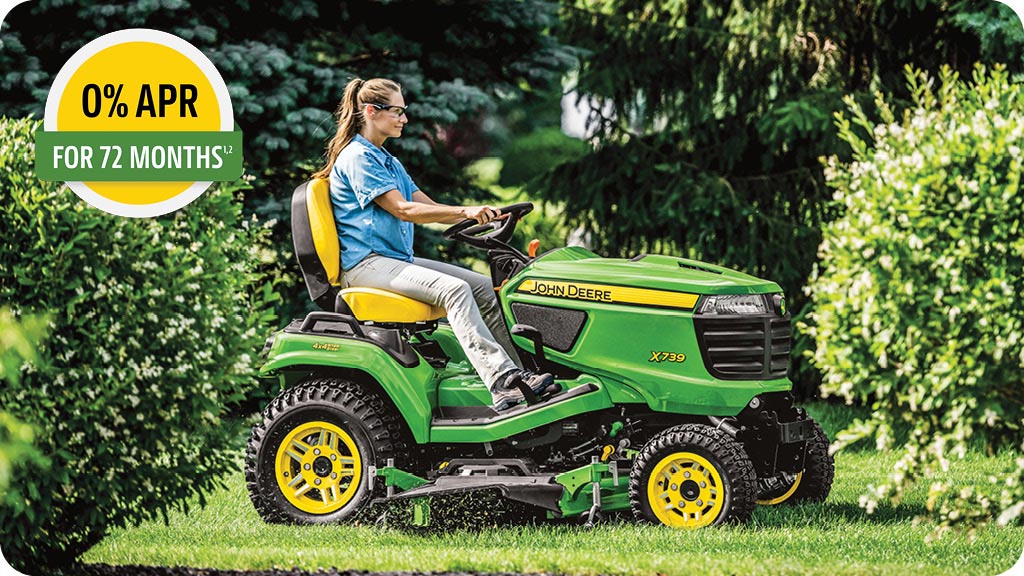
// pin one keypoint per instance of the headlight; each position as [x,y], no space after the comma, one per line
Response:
[266,346]
[734,304]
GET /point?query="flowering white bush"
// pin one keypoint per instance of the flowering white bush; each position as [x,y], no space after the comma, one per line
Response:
[917,301]
[154,326]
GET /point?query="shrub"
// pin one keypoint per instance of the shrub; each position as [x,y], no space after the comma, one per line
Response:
[916,305]
[537,152]
[17,346]
[155,325]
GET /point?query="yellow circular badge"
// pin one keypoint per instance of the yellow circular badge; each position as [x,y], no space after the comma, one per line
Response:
[139,123]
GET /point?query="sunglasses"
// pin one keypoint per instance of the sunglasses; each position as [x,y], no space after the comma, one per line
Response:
[398,111]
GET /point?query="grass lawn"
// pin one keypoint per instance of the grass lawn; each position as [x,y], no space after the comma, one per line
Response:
[833,538]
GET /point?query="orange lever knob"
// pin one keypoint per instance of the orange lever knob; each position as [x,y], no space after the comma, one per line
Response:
[531,250]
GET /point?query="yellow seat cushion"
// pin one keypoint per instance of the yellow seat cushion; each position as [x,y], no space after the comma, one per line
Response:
[322,228]
[367,304]
[374,305]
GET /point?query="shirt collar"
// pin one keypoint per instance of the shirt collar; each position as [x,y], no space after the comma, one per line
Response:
[380,151]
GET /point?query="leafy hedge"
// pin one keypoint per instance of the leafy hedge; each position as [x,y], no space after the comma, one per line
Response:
[155,324]
[18,341]
[917,303]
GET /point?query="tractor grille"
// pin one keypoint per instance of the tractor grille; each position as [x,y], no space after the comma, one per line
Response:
[744,347]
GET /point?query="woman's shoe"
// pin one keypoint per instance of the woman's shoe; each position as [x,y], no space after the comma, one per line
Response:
[507,388]
[505,398]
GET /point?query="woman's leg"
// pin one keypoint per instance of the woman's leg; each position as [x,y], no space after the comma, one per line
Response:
[486,300]
[487,356]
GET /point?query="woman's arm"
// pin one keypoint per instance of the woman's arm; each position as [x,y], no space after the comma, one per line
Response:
[423,210]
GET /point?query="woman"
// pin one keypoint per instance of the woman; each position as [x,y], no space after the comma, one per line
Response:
[376,205]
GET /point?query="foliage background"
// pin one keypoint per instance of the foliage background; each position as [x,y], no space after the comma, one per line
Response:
[154,326]
[710,119]
[915,311]
[18,340]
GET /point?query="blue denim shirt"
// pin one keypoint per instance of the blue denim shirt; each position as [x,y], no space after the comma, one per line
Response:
[361,173]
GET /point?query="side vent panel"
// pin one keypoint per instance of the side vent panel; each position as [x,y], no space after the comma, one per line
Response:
[560,327]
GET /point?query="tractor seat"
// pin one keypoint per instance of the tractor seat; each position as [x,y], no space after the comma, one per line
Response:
[315,238]
[375,305]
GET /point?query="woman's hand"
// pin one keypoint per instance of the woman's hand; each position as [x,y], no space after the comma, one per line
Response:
[482,214]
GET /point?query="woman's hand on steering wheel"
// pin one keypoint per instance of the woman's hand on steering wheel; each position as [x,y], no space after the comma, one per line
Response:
[468,229]
[483,214]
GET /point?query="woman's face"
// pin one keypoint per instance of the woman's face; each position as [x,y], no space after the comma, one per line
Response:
[388,118]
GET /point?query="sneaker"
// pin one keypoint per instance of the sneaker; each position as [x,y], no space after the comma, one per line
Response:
[539,383]
[505,398]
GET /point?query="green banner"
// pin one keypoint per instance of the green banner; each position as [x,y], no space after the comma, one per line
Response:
[138,156]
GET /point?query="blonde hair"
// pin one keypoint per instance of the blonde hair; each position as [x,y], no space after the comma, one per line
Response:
[357,93]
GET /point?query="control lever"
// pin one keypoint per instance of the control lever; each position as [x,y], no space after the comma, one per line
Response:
[532,334]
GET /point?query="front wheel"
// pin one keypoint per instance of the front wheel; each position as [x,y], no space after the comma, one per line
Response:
[308,460]
[812,484]
[691,476]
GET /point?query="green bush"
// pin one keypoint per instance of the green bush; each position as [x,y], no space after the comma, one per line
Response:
[537,152]
[18,340]
[155,324]
[917,302]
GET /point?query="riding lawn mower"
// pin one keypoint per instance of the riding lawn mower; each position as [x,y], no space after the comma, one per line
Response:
[674,405]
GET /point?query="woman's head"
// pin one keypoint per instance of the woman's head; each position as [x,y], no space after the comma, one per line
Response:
[374,107]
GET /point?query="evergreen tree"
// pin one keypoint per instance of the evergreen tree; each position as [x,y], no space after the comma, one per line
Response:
[710,118]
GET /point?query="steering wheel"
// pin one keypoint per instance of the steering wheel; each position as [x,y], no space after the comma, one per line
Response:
[493,233]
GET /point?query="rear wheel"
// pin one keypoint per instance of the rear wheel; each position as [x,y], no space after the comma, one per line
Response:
[308,460]
[812,484]
[691,476]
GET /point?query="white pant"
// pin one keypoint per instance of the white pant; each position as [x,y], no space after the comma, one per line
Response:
[468,297]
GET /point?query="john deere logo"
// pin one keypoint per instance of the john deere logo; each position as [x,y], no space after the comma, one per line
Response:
[566,290]
[608,293]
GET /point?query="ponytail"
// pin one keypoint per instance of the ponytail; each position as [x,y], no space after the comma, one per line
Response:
[350,115]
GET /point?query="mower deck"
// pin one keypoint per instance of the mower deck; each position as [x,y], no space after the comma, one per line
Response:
[585,490]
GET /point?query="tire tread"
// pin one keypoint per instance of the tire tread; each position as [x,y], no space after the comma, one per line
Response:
[728,452]
[384,428]
[819,470]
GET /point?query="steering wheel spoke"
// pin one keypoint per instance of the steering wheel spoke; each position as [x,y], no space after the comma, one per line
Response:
[493,234]
[477,230]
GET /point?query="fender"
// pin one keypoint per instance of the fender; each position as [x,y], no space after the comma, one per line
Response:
[412,389]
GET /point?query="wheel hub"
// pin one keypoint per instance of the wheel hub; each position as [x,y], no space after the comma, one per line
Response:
[318,467]
[686,490]
[322,466]
[689,490]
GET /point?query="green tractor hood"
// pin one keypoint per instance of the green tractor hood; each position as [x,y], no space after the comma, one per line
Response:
[651,271]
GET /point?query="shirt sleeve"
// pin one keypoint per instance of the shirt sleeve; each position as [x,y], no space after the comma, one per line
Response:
[368,178]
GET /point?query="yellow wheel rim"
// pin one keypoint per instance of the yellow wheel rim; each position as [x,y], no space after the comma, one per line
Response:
[685,491]
[318,467]
[785,495]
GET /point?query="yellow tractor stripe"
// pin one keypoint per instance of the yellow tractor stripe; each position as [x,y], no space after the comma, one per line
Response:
[609,294]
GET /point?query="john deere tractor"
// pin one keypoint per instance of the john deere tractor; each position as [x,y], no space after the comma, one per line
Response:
[675,401]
